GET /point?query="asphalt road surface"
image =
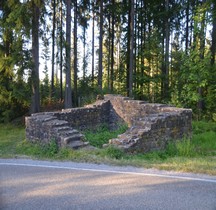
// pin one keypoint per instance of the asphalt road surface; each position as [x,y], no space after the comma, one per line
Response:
[28,184]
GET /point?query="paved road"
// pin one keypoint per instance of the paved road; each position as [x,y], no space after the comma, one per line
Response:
[28,184]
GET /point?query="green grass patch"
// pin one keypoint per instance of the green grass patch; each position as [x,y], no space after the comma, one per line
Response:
[37,150]
[205,143]
[196,155]
[10,136]
[202,127]
[102,134]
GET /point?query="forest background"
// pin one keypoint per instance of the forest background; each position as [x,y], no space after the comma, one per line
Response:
[160,51]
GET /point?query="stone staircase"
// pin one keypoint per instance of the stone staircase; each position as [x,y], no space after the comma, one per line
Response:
[133,134]
[140,127]
[49,127]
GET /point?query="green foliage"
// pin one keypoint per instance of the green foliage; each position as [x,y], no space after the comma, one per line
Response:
[87,91]
[185,148]
[10,136]
[14,101]
[37,150]
[194,73]
[200,127]
[205,143]
[52,148]
[102,134]
[15,60]
[190,67]
[112,152]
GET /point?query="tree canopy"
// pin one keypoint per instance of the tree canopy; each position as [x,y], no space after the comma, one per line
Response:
[160,51]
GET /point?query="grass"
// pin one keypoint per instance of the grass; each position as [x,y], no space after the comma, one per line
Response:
[197,155]
[10,137]
[102,135]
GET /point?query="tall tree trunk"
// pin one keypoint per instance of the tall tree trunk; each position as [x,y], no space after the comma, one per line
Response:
[61,51]
[75,54]
[142,48]
[131,60]
[165,69]
[187,27]
[213,45]
[200,103]
[35,103]
[53,48]
[112,47]
[68,90]
[100,70]
[109,50]
[128,48]
[136,44]
[93,40]
[84,53]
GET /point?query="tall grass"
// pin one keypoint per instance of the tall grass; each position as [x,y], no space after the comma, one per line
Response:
[181,148]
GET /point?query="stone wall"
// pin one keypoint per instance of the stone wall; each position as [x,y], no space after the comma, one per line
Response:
[66,126]
[89,117]
[151,126]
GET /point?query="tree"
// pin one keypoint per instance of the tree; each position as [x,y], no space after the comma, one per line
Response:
[75,54]
[93,42]
[35,103]
[61,50]
[165,70]
[112,47]
[131,54]
[68,90]
[84,17]
[158,51]
[53,46]
[100,70]
[213,44]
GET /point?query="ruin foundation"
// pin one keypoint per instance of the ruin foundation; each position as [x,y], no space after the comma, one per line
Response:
[150,126]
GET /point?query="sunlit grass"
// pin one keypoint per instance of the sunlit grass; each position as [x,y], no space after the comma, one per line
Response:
[10,136]
[196,155]
[102,134]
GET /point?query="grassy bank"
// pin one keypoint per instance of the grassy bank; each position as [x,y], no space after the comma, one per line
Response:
[197,155]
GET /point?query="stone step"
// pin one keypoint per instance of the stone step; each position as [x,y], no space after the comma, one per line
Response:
[139,130]
[131,136]
[77,144]
[71,138]
[124,135]
[141,121]
[46,119]
[67,132]
[62,128]
[57,123]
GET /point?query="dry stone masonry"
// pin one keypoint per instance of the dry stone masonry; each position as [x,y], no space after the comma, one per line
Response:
[150,126]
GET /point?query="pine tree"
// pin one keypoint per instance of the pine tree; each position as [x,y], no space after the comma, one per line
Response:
[68,90]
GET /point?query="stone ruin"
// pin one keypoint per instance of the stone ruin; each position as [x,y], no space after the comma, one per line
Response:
[150,125]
